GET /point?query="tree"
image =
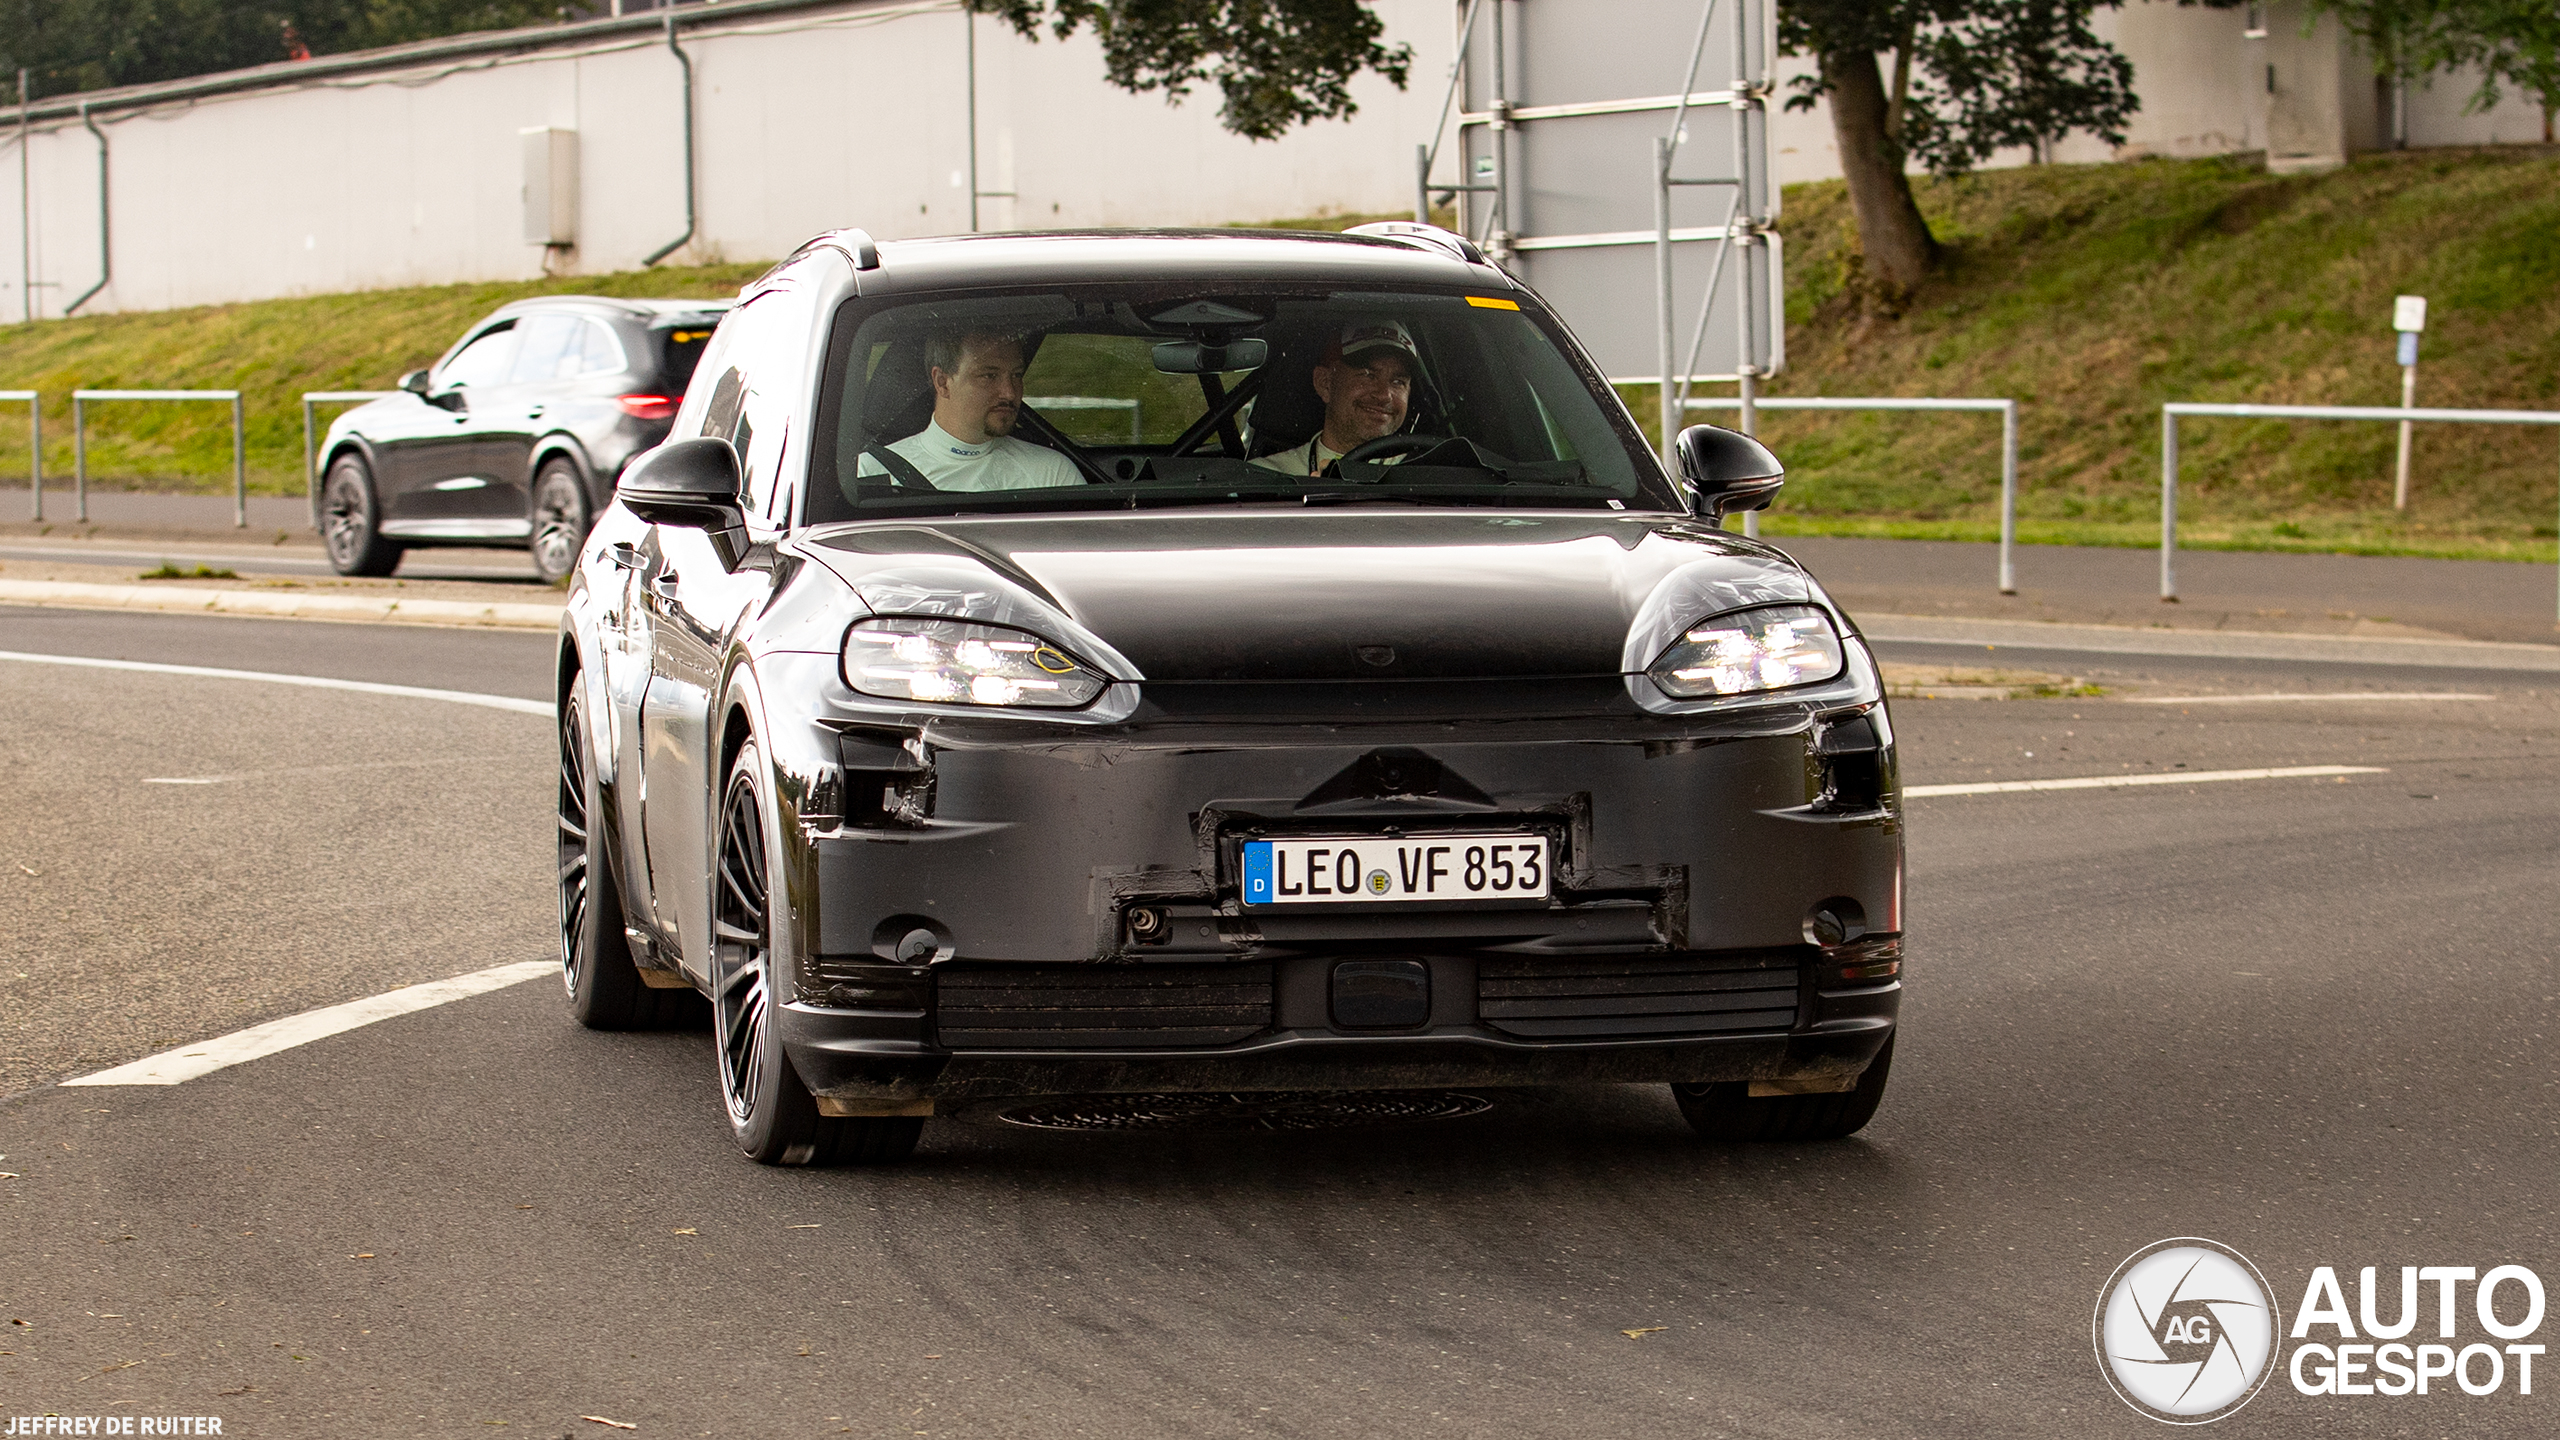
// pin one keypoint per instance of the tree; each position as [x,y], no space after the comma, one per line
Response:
[1970,77]
[2514,42]
[1278,63]
[72,45]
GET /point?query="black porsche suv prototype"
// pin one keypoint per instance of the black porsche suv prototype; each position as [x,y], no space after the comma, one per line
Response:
[1072,664]
[514,439]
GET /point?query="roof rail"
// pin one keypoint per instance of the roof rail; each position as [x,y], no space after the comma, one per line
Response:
[858,243]
[1412,233]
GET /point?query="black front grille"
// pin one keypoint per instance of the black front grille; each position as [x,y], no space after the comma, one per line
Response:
[1100,1007]
[1704,993]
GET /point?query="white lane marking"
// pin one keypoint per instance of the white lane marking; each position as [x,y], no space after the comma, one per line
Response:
[367,687]
[176,1067]
[2110,782]
[2341,695]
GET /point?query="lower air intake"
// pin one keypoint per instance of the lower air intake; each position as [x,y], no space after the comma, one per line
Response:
[1703,993]
[1099,1007]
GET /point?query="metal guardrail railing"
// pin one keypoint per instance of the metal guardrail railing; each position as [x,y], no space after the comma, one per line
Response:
[239,442]
[2008,411]
[1089,402]
[35,448]
[310,455]
[2169,448]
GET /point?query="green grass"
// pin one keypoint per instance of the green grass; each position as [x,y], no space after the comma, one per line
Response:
[2090,293]
[271,351]
[2093,294]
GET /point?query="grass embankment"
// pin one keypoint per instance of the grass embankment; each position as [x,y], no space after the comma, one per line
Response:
[2093,294]
[271,351]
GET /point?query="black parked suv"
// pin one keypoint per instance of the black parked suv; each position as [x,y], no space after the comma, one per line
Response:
[515,438]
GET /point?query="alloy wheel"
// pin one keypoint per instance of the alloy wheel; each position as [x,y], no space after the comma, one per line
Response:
[742,981]
[555,531]
[574,869]
[343,520]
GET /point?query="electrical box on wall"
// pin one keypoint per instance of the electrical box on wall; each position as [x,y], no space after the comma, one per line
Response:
[550,186]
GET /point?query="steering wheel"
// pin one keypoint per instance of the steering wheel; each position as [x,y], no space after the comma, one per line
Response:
[1392,445]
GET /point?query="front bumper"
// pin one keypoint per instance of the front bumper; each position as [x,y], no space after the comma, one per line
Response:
[967,893]
[877,1062]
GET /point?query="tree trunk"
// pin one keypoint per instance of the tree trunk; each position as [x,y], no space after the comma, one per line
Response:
[1899,249]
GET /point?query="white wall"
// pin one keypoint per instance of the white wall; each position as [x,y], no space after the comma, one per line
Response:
[854,115]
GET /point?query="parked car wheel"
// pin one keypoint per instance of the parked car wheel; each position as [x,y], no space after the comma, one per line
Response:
[605,988]
[771,1112]
[350,521]
[560,520]
[1727,1110]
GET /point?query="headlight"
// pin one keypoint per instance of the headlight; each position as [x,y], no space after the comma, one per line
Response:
[1742,651]
[966,663]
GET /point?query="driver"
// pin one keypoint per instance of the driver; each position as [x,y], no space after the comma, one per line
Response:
[1366,383]
[977,399]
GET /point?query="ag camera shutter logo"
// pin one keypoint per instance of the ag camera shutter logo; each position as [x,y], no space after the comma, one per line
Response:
[2185,1331]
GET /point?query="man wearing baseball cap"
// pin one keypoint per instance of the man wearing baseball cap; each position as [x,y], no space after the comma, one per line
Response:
[1366,383]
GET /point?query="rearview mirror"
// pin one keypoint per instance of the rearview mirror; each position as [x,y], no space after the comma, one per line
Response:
[415,382]
[691,484]
[1195,357]
[1728,471]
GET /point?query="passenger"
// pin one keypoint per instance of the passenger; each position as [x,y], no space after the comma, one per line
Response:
[1366,383]
[977,400]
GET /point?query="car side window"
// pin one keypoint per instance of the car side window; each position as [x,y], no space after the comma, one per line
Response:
[757,369]
[485,361]
[547,348]
[599,350]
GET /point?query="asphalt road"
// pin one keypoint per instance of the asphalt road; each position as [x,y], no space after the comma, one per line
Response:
[2308,1018]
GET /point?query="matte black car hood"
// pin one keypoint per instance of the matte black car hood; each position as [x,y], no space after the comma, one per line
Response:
[1324,594]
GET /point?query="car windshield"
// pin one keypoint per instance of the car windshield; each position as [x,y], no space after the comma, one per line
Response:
[1128,397]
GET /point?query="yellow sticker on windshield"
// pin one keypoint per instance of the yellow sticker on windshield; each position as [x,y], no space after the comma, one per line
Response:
[1487,302]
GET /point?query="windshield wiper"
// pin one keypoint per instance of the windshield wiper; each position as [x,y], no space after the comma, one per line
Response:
[1360,497]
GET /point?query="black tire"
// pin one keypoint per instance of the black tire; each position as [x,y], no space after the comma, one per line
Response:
[351,521]
[771,1112]
[1727,1110]
[605,988]
[560,520]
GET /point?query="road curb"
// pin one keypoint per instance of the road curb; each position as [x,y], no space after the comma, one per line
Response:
[268,604]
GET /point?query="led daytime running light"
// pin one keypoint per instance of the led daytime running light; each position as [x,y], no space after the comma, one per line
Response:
[1775,647]
[966,663]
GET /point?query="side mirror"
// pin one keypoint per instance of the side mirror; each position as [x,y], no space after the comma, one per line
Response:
[692,484]
[1728,471]
[415,382]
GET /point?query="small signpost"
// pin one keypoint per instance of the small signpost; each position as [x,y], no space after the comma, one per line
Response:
[2409,317]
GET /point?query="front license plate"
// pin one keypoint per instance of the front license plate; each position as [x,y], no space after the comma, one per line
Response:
[1370,869]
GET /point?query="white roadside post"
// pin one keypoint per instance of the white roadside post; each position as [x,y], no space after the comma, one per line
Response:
[2409,317]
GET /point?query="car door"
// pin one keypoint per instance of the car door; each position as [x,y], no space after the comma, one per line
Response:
[693,604]
[505,419]
[426,476]
[409,465]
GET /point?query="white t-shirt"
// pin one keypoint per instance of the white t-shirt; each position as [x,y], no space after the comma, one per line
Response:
[1307,459]
[999,462]
[1312,457]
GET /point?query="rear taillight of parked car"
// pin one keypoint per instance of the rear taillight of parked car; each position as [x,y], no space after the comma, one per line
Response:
[647,407]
